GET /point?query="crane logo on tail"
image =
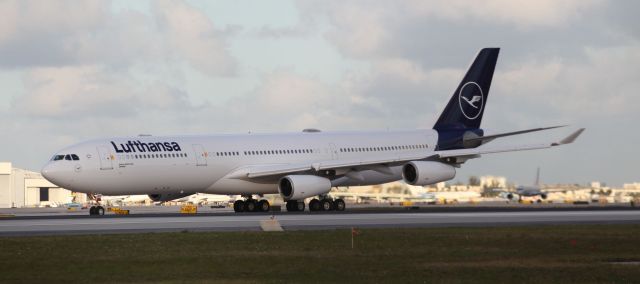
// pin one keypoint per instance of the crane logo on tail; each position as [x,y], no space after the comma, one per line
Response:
[471,100]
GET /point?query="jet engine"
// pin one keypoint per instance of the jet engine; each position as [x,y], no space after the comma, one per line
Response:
[425,173]
[296,187]
[163,197]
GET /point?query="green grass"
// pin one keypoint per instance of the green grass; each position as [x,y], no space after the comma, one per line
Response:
[561,254]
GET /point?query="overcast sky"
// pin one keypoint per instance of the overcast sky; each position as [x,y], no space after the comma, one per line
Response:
[77,70]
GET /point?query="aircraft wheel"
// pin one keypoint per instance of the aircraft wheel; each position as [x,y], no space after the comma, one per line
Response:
[92,210]
[250,205]
[264,206]
[238,206]
[339,205]
[314,205]
[326,205]
[99,210]
[292,205]
[299,205]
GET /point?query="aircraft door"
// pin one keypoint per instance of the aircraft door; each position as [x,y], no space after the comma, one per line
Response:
[334,151]
[106,158]
[201,155]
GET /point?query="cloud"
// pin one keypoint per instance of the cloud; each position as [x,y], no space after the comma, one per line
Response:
[66,33]
[603,84]
[431,31]
[36,33]
[523,14]
[73,92]
[84,59]
[283,100]
[191,34]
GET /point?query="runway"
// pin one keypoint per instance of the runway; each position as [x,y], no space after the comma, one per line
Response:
[241,222]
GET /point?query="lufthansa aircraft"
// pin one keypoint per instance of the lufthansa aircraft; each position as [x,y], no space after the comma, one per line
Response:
[295,165]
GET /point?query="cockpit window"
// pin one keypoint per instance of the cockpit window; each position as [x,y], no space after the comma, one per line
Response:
[68,157]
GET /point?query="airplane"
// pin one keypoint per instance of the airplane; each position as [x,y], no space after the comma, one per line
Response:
[297,166]
[529,190]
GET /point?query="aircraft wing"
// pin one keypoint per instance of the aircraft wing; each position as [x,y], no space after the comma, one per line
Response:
[381,164]
[375,163]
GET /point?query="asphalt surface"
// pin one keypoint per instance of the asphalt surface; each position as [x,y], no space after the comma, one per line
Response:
[224,221]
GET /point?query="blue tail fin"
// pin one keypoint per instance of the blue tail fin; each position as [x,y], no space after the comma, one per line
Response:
[464,110]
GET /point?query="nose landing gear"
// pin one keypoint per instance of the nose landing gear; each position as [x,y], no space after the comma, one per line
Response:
[96,209]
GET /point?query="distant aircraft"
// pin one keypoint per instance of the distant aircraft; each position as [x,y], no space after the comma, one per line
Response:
[529,190]
[295,165]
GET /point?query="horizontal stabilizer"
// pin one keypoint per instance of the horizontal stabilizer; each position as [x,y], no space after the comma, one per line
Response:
[488,138]
[487,150]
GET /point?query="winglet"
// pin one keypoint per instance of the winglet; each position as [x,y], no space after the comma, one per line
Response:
[569,139]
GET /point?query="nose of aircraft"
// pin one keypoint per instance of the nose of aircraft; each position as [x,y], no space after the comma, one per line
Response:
[56,175]
[46,172]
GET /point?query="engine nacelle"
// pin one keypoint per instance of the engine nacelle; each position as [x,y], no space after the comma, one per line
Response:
[425,173]
[162,197]
[296,187]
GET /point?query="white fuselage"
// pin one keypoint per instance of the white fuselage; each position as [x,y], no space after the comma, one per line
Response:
[191,164]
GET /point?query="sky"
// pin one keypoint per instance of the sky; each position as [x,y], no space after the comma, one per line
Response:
[79,70]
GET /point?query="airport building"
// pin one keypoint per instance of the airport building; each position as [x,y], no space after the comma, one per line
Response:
[24,188]
[493,182]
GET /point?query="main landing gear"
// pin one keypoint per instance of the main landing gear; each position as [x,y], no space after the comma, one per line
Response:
[295,205]
[251,205]
[322,204]
[316,204]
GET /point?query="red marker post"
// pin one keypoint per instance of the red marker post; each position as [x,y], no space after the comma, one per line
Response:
[354,233]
